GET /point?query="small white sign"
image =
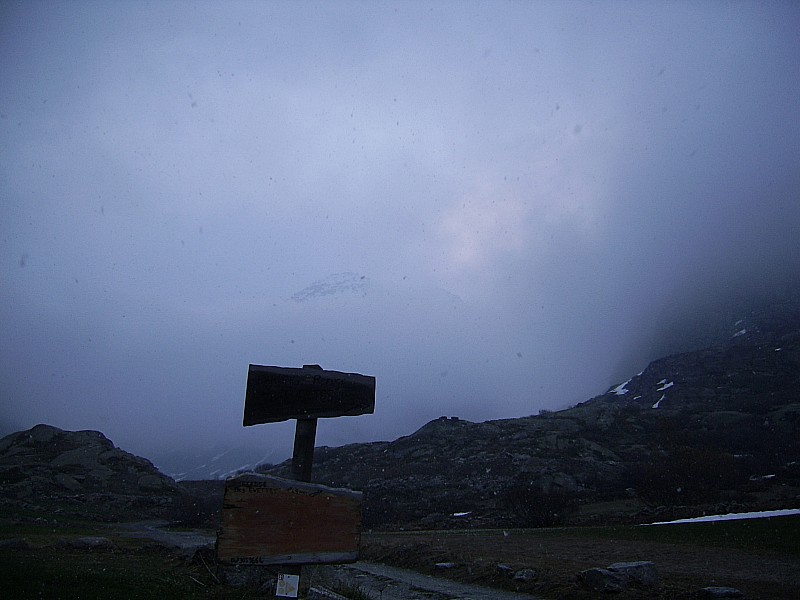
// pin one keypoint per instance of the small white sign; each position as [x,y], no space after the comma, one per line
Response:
[288,585]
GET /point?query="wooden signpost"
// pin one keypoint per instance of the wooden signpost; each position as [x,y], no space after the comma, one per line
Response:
[267,520]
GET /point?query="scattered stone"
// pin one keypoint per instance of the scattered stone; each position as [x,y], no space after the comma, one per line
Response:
[719,592]
[526,575]
[603,580]
[505,570]
[642,572]
[87,543]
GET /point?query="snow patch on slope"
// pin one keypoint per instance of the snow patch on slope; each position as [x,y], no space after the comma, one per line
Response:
[620,389]
[337,283]
[763,514]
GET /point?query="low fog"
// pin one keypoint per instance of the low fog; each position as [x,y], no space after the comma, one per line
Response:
[491,208]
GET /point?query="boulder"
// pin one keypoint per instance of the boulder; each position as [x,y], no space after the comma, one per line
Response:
[603,580]
[68,482]
[620,576]
[526,575]
[100,473]
[83,456]
[642,572]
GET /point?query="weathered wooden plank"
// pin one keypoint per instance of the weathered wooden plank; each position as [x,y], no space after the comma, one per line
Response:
[268,520]
[281,393]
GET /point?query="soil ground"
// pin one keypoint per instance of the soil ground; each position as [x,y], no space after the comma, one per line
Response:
[684,565]
[761,558]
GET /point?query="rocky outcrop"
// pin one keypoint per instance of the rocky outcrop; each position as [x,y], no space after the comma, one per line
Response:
[80,473]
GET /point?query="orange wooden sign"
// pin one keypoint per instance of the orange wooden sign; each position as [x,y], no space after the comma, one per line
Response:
[268,521]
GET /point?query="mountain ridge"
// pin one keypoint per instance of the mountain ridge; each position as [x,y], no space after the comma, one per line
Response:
[715,429]
[710,431]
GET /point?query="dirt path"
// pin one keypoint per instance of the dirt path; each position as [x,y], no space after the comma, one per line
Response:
[392,583]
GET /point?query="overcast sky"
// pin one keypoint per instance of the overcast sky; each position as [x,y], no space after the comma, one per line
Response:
[493,208]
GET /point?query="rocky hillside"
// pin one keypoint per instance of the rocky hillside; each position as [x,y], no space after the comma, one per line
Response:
[48,471]
[712,430]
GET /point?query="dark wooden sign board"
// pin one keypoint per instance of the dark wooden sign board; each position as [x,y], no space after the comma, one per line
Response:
[272,521]
[279,393]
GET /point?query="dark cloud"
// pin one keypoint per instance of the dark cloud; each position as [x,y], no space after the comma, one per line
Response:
[492,211]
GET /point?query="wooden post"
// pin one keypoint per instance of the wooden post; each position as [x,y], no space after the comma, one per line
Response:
[305,434]
[303,455]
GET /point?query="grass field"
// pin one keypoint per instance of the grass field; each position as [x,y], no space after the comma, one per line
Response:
[135,568]
[776,534]
[58,573]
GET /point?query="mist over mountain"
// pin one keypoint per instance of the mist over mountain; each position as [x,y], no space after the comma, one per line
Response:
[704,313]
[218,462]
[708,431]
[715,429]
[718,324]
